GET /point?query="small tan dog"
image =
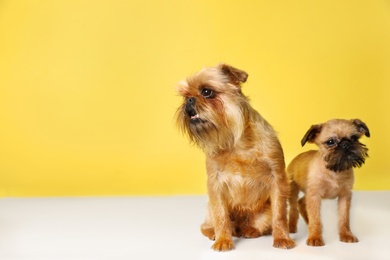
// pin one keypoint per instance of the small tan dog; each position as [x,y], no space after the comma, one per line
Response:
[326,174]
[247,184]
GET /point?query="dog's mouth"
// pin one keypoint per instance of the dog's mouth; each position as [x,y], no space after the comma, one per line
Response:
[194,117]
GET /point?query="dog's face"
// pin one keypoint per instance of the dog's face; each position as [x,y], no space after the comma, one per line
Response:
[338,143]
[212,109]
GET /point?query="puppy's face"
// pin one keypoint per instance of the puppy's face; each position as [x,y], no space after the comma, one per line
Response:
[338,142]
[212,109]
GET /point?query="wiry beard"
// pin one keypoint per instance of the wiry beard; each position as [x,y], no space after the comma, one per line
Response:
[208,135]
[214,128]
[340,159]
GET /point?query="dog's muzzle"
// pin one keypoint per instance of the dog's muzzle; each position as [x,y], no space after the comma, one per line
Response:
[191,111]
[345,144]
[346,156]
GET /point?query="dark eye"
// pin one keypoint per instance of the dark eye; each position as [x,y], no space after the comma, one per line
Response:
[207,93]
[330,142]
[354,138]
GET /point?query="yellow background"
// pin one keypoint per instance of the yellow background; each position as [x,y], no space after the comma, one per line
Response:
[87,88]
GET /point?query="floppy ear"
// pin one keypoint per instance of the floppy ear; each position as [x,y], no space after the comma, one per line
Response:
[311,134]
[236,76]
[361,126]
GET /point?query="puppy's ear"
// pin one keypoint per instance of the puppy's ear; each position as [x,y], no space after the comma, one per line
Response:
[361,126]
[311,134]
[236,76]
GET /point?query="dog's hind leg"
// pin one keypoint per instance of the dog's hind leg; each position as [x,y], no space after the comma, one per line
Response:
[293,211]
[302,209]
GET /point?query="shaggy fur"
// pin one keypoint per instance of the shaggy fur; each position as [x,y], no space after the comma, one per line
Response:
[246,180]
[326,174]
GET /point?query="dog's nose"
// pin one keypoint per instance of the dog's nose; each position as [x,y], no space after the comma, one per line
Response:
[345,144]
[191,100]
[190,106]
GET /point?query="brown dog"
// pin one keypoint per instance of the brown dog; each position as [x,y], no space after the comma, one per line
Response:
[326,174]
[247,184]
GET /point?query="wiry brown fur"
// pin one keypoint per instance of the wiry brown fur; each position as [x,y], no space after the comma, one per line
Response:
[247,184]
[326,174]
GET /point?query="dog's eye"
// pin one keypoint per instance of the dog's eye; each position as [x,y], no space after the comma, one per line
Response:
[330,142]
[207,93]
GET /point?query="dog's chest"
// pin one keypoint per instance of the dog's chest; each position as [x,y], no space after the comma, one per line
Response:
[330,188]
[241,181]
[238,188]
[331,184]
[235,182]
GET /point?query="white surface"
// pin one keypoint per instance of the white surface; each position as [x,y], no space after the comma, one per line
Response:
[168,228]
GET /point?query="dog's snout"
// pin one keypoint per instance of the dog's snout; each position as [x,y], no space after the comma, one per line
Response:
[345,144]
[190,106]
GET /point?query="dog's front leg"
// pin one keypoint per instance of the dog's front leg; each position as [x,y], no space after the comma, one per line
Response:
[218,208]
[344,205]
[222,223]
[313,207]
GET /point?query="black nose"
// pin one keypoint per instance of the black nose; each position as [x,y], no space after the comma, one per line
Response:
[190,106]
[191,100]
[345,144]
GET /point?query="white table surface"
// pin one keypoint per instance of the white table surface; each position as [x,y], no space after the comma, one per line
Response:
[169,228]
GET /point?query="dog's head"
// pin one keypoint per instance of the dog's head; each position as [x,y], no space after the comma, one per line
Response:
[213,106]
[338,143]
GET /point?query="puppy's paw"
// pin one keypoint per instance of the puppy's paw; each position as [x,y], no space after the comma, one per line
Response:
[348,238]
[223,244]
[208,232]
[284,243]
[250,232]
[315,241]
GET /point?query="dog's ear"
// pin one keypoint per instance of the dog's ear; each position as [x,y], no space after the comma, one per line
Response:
[236,76]
[361,127]
[311,134]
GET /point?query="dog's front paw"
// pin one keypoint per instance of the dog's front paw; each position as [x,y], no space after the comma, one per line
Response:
[223,244]
[315,241]
[284,243]
[348,238]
